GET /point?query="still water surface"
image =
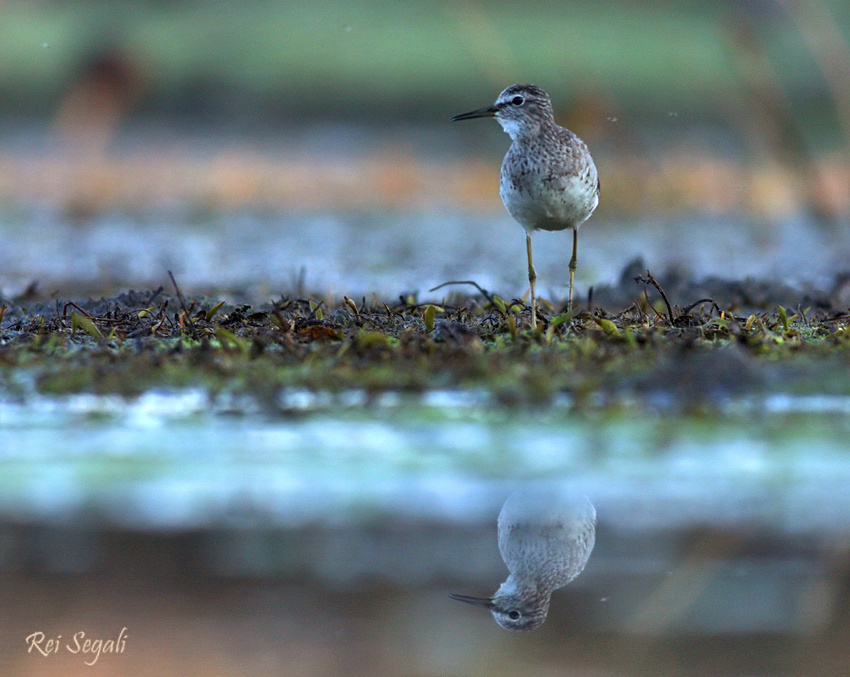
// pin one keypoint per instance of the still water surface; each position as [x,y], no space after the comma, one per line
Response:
[389,253]
[183,459]
[729,525]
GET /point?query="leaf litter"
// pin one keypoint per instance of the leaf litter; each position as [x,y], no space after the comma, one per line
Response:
[645,340]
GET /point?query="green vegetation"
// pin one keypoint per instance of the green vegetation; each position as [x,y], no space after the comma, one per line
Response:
[698,355]
[316,56]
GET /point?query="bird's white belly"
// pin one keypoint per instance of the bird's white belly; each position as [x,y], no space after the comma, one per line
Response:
[541,206]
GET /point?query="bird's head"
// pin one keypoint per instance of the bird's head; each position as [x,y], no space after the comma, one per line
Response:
[513,611]
[520,109]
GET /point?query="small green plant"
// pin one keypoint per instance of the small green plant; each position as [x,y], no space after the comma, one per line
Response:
[428,316]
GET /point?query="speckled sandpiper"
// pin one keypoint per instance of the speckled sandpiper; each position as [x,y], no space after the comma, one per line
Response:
[545,538]
[549,180]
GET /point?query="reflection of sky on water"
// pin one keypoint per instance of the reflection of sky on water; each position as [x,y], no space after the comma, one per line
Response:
[164,460]
[391,253]
[706,525]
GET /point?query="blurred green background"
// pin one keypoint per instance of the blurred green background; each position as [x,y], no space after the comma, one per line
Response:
[415,60]
[725,94]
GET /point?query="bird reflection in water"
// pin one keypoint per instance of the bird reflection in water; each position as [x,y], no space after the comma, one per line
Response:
[546,536]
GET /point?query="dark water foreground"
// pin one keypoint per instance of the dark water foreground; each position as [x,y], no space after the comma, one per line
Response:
[326,542]
[711,603]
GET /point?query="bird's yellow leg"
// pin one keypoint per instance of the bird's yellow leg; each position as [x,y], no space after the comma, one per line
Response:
[573,265]
[532,277]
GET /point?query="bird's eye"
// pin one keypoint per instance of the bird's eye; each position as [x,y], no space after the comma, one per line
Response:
[514,615]
[517,101]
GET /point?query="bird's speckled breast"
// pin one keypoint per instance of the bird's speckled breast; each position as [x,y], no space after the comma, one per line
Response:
[542,200]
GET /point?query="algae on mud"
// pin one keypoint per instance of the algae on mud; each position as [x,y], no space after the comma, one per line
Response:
[718,342]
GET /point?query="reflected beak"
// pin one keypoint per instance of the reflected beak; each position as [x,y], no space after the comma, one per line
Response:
[488,112]
[486,602]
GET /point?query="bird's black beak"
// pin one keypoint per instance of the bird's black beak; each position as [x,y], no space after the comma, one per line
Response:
[488,112]
[486,602]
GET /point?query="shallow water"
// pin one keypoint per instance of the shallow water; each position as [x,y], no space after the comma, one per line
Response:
[392,252]
[362,517]
[186,460]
